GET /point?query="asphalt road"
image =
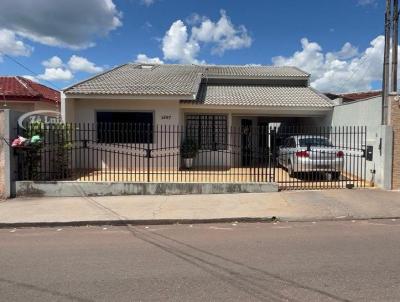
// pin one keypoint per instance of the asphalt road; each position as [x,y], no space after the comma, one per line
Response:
[323,261]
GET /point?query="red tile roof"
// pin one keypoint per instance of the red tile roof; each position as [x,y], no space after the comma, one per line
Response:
[21,89]
[355,96]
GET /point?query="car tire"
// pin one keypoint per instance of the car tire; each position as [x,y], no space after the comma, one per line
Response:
[332,176]
[329,176]
[290,170]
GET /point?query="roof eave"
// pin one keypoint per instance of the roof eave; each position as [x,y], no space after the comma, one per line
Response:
[228,77]
[177,97]
[93,77]
[255,107]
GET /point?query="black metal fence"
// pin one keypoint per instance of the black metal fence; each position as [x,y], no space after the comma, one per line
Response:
[295,157]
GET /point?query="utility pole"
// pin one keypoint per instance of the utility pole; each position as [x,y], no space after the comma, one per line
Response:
[386,72]
[395,39]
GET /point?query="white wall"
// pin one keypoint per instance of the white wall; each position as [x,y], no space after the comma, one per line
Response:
[364,113]
[361,113]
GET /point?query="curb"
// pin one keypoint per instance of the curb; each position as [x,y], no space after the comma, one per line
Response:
[134,222]
[335,219]
[183,221]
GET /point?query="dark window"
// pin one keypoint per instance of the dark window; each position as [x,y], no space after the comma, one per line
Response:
[125,127]
[209,131]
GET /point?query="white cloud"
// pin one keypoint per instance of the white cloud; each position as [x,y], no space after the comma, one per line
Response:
[346,70]
[56,74]
[73,23]
[56,70]
[222,33]
[77,63]
[53,62]
[348,51]
[30,77]
[11,45]
[177,46]
[367,2]
[142,58]
[147,2]
[183,45]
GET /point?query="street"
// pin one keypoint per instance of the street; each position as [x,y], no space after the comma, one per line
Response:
[309,261]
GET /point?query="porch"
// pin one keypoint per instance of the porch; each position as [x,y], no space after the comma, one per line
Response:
[223,175]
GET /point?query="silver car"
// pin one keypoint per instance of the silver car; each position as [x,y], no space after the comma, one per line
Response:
[308,153]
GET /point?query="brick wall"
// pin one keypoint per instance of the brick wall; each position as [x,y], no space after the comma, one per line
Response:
[395,123]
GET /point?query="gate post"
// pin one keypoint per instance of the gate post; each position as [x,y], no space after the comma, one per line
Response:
[8,124]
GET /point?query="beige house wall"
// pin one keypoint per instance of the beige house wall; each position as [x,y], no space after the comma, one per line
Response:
[132,156]
[20,106]
[167,113]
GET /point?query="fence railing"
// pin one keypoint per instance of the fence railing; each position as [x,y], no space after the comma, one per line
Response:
[295,157]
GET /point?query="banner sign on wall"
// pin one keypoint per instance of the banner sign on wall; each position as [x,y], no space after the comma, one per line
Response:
[45,116]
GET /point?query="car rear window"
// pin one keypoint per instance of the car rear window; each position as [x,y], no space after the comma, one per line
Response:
[314,141]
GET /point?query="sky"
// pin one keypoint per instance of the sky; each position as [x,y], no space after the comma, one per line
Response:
[339,42]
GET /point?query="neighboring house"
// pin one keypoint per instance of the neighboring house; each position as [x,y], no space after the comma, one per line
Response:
[23,95]
[354,96]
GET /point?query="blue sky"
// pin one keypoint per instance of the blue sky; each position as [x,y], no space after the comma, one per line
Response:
[339,42]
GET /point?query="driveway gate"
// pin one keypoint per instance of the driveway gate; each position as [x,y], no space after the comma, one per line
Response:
[295,157]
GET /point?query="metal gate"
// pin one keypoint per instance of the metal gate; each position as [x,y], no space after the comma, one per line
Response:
[295,157]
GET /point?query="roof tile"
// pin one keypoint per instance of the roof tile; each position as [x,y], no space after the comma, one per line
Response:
[259,95]
[22,88]
[170,79]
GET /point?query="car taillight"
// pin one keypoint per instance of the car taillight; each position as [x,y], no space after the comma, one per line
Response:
[302,154]
[340,154]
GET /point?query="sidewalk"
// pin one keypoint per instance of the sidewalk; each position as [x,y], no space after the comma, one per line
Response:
[285,206]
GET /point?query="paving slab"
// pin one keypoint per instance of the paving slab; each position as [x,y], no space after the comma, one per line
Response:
[158,209]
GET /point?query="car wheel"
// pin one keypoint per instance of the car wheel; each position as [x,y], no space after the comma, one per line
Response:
[331,176]
[290,170]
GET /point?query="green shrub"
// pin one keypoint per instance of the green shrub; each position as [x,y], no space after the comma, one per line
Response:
[189,149]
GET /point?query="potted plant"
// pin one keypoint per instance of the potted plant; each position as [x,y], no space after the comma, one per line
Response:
[189,151]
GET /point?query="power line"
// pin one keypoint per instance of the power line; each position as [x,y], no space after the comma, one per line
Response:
[28,69]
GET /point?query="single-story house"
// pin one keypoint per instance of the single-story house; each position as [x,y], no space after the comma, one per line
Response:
[23,95]
[210,100]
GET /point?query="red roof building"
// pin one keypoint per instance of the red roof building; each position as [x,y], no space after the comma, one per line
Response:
[21,94]
[355,96]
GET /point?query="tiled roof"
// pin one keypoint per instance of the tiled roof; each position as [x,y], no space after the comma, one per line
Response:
[131,79]
[241,85]
[19,88]
[356,96]
[253,71]
[260,95]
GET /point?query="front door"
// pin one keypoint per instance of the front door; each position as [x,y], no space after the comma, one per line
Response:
[247,143]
